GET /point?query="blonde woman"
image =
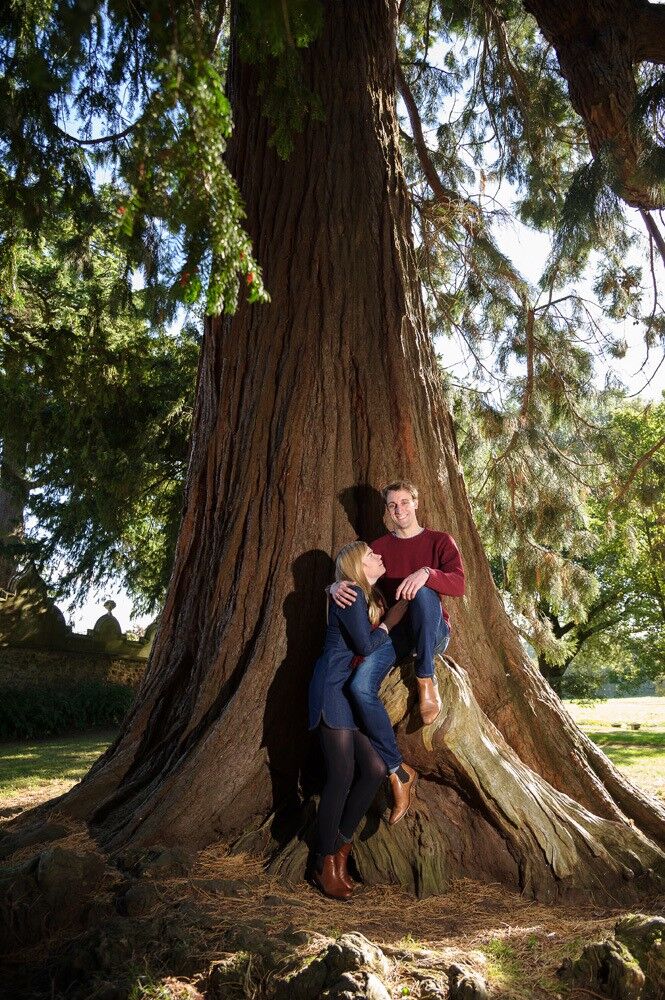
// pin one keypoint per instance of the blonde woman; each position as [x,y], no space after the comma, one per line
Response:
[352,632]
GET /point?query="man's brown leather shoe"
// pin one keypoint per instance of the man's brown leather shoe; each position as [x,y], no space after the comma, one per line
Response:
[340,858]
[402,792]
[429,698]
[328,880]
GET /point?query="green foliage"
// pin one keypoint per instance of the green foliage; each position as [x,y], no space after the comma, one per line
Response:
[134,98]
[531,416]
[574,528]
[530,475]
[96,407]
[139,94]
[537,433]
[48,710]
[270,33]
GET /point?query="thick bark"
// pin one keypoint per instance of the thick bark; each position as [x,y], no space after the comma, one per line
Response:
[300,406]
[598,45]
[13,497]
[502,820]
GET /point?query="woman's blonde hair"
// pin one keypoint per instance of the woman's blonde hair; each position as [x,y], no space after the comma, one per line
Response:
[349,566]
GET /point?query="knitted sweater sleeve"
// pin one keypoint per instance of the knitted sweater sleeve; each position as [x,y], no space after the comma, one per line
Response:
[447,577]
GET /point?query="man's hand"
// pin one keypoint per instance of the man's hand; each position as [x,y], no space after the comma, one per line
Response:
[343,593]
[412,583]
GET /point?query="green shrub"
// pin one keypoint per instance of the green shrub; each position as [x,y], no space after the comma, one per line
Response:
[50,710]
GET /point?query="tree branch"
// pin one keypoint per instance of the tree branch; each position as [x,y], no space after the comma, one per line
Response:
[96,142]
[650,34]
[443,195]
[639,464]
[654,232]
[528,391]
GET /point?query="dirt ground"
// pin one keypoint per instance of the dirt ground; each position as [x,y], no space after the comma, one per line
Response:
[229,902]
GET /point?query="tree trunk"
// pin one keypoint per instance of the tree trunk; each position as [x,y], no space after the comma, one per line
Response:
[13,496]
[303,406]
[553,674]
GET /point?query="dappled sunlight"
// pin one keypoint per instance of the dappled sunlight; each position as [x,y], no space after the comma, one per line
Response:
[38,763]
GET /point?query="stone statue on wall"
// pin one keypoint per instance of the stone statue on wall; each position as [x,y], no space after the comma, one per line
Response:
[107,628]
[29,616]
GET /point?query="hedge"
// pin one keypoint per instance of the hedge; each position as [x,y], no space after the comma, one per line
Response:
[51,710]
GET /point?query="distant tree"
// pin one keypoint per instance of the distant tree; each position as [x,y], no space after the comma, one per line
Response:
[572,517]
[624,630]
[95,407]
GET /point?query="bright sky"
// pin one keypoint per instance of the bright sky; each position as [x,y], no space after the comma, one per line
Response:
[528,250]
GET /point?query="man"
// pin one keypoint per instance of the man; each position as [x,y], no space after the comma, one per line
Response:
[422,566]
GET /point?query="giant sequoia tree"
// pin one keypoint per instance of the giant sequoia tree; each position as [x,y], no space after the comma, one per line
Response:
[304,406]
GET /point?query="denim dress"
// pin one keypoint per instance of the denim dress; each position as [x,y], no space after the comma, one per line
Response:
[349,634]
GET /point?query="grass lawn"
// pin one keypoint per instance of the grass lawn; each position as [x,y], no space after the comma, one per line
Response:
[649,712]
[640,754]
[33,771]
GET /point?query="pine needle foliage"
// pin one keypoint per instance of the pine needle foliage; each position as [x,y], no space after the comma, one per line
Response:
[95,406]
[136,93]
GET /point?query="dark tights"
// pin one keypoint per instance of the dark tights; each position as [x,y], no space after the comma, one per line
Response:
[342,806]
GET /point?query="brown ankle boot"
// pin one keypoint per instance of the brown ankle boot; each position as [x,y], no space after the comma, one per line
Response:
[402,792]
[429,698]
[340,858]
[328,880]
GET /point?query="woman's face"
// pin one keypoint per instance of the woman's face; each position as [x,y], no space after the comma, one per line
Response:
[373,565]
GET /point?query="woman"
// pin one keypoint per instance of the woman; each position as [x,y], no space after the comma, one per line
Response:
[352,631]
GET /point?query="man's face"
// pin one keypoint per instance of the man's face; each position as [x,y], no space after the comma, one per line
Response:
[402,509]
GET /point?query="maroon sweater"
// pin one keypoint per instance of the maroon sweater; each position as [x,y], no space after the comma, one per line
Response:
[435,549]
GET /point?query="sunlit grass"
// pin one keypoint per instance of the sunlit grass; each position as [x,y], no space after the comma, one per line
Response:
[28,766]
[638,753]
[49,767]
[649,712]
[643,762]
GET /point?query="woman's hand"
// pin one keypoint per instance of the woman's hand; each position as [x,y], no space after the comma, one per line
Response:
[394,615]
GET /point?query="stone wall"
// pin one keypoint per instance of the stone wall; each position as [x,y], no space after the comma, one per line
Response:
[21,668]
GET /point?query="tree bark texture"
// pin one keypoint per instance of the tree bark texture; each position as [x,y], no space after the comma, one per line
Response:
[303,407]
[13,496]
[598,45]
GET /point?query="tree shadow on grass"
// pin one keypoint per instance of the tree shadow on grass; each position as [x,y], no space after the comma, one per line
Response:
[48,760]
[643,739]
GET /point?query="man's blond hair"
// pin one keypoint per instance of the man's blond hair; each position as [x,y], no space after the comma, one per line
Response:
[401,484]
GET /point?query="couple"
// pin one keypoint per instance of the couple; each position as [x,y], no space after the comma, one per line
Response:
[368,631]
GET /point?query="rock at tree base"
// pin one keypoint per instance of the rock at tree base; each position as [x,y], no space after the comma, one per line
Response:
[465,984]
[38,835]
[157,861]
[430,989]
[357,986]
[632,967]
[350,954]
[48,891]
[607,969]
[139,899]
[645,939]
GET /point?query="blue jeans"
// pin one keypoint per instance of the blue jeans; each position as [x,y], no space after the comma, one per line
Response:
[423,629]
